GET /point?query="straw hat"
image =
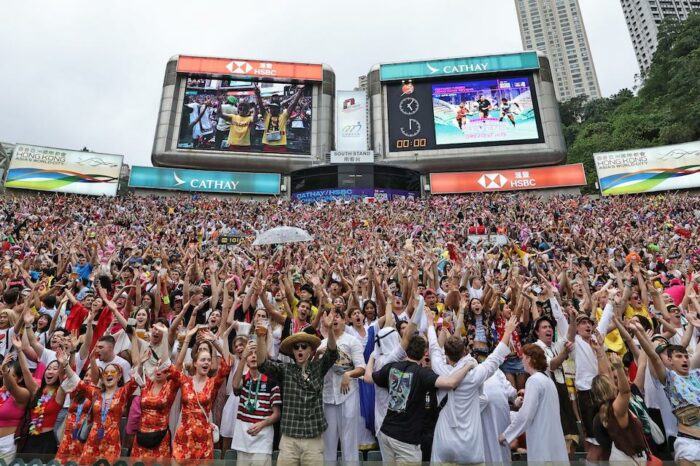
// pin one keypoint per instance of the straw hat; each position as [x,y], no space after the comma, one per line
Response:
[301,337]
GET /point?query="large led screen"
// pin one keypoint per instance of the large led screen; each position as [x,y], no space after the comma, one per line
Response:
[246,116]
[451,114]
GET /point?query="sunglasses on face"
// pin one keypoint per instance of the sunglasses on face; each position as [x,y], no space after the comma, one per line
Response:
[298,346]
[110,372]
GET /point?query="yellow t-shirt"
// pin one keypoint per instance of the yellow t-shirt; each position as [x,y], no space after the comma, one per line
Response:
[631,312]
[295,303]
[239,134]
[276,126]
[613,340]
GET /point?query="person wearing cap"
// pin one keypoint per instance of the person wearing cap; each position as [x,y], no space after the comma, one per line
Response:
[584,353]
[303,421]
[682,386]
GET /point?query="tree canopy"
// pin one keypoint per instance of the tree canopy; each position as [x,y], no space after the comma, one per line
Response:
[665,111]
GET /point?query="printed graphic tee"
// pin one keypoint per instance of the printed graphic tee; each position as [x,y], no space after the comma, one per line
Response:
[407,383]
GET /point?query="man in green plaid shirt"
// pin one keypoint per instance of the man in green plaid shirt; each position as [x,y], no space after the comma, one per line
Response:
[303,422]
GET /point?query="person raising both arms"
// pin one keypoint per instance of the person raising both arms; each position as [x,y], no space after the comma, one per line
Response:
[275,120]
[682,386]
[108,404]
[241,123]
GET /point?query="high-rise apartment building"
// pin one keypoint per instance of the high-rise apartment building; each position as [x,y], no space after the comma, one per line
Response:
[643,18]
[362,83]
[555,27]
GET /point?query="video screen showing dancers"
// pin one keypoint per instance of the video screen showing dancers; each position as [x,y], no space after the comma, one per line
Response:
[491,110]
[246,116]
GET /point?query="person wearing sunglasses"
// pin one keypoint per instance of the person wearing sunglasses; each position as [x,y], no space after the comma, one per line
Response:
[109,401]
[303,421]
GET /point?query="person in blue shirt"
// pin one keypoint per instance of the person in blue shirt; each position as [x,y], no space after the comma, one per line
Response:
[82,267]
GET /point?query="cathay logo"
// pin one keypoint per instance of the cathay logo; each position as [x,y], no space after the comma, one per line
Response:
[458,68]
[206,185]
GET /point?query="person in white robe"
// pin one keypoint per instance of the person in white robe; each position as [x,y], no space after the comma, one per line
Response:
[538,416]
[495,415]
[458,433]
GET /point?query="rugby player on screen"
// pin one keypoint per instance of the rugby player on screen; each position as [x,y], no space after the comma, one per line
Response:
[507,110]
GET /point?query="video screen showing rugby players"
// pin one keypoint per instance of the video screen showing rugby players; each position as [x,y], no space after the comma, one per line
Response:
[246,116]
[490,110]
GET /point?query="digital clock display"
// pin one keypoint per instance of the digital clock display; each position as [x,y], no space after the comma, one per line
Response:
[420,143]
[410,116]
[447,113]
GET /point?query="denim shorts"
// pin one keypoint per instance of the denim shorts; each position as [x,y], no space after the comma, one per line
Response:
[512,365]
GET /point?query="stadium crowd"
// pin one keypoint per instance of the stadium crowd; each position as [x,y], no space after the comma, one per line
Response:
[451,329]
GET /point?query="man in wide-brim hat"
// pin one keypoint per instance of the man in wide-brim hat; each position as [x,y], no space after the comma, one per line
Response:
[303,421]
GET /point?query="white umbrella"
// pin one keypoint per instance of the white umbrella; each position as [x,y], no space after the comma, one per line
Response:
[280,235]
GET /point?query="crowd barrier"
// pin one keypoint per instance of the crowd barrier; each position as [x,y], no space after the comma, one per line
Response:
[228,458]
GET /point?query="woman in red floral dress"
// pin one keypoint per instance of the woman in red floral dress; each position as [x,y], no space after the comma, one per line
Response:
[108,404]
[193,438]
[157,396]
[70,446]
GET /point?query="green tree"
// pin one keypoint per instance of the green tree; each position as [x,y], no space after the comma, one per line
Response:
[666,111]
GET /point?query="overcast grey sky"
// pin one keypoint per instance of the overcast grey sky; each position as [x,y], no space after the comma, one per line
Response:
[89,73]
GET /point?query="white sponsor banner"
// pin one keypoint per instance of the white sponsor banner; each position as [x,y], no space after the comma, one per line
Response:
[352,156]
[499,240]
[351,120]
[65,171]
[653,169]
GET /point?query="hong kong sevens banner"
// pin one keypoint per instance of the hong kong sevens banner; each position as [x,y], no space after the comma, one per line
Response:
[661,168]
[66,171]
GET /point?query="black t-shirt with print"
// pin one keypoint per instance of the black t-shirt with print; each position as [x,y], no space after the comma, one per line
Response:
[407,383]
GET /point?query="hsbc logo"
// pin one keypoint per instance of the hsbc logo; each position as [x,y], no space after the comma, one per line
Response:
[239,67]
[492,180]
[245,68]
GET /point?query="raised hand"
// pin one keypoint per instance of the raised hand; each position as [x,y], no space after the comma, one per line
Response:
[512,324]
[17,343]
[328,318]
